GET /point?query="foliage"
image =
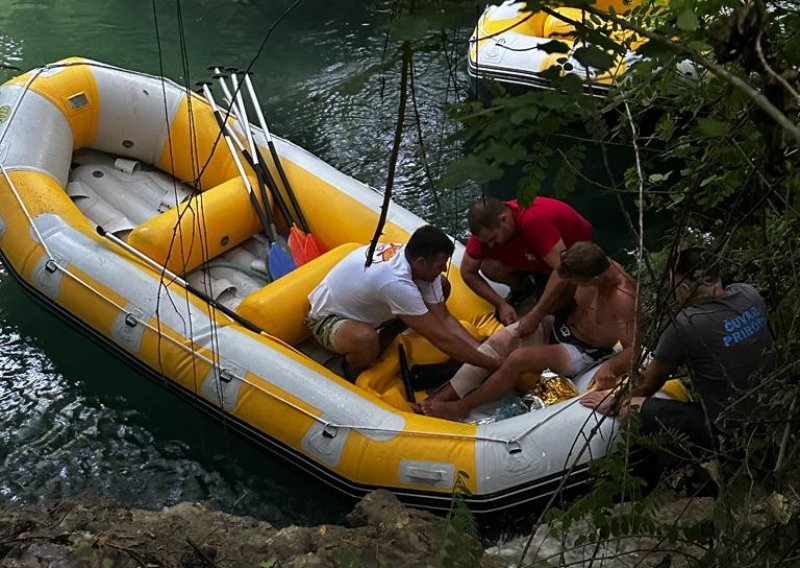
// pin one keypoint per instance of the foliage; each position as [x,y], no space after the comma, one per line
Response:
[710,112]
[709,115]
[462,546]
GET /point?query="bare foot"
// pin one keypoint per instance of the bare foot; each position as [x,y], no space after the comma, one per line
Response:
[451,410]
[444,393]
[416,407]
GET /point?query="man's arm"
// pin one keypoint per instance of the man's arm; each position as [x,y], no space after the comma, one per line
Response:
[654,377]
[430,326]
[607,374]
[451,324]
[478,284]
[557,293]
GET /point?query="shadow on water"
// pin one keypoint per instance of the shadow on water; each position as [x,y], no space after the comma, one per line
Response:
[79,420]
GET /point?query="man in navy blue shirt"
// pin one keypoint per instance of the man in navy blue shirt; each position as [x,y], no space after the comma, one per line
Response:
[722,336]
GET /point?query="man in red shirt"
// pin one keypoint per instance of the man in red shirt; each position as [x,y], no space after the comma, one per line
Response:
[509,244]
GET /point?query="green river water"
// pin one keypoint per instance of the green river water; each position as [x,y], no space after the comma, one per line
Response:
[76,420]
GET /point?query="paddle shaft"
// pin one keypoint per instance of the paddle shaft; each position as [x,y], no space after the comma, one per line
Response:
[254,158]
[265,214]
[274,152]
[181,282]
[405,374]
[280,260]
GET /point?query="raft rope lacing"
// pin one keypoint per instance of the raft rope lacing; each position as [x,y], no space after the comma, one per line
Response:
[511,443]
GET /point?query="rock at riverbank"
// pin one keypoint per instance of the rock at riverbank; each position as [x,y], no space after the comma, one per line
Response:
[103,533]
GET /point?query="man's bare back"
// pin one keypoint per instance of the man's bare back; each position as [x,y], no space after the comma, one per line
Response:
[604,315]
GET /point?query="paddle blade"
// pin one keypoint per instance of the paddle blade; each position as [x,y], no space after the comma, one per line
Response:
[280,261]
[314,247]
[297,245]
[304,247]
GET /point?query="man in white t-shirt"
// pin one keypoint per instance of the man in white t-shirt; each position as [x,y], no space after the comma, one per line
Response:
[404,282]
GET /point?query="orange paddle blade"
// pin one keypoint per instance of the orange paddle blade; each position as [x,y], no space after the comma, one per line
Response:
[304,247]
[314,247]
[297,246]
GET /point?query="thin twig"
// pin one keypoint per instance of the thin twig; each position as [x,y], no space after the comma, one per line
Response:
[770,71]
[206,560]
[757,97]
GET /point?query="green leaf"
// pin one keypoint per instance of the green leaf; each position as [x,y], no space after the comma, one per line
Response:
[572,84]
[687,20]
[656,178]
[524,114]
[653,49]
[594,57]
[698,45]
[708,180]
[553,46]
[552,73]
[665,128]
[713,127]
[528,192]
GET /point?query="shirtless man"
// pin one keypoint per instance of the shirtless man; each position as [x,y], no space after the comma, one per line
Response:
[602,314]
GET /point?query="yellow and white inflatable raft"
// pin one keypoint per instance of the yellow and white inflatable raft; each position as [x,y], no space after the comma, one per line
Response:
[83,144]
[503,46]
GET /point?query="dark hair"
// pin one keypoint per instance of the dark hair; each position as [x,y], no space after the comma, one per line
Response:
[485,214]
[583,260]
[693,263]
[428,242]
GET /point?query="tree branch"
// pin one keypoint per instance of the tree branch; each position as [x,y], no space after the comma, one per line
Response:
[398,136]
[756,96]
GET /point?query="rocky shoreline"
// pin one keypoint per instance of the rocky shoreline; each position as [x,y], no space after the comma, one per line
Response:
[100,532]
[380,531]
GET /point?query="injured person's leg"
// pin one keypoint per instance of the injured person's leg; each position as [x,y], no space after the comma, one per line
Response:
[499,345]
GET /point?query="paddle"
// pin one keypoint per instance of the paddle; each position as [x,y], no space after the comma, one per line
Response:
[405,374]
[280,247]
[302,248]
[254,157]
[306,245]
[181,282]
[280,261]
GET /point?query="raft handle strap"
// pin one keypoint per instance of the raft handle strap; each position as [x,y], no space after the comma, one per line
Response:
[226,375]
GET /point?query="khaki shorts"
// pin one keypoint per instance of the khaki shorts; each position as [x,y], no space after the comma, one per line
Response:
[324,329]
